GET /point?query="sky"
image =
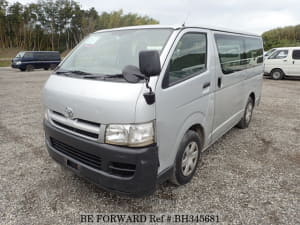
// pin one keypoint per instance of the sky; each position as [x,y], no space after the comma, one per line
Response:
[255,16]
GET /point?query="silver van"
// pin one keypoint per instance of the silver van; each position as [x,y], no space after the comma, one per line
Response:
[130,108]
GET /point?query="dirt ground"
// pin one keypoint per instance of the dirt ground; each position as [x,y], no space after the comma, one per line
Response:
[249,176]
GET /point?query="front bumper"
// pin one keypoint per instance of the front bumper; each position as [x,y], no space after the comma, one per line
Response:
[13,65]
[131,171]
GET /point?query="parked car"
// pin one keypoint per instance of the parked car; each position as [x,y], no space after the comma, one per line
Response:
[30,60]
[283,62]
[133,107]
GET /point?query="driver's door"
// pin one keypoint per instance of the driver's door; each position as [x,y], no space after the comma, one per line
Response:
[184,92]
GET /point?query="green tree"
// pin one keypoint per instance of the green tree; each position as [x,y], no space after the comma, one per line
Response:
[282,37]
[56,24]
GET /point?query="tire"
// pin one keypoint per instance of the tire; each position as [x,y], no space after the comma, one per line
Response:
[277,74]
[46,68]
[22,69]
[246,119]
[29,67]
[52,66]
[188,147]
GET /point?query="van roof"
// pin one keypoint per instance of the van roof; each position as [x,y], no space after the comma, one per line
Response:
[291,48]
[177,27]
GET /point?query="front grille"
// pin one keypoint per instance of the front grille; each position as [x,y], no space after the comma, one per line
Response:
[84,157]
[76,125]
[76,130]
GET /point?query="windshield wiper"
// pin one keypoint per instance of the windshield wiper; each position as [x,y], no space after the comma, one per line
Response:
[103,76]
[77,72]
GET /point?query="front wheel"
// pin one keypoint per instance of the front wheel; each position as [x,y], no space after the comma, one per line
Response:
[187,158]
[29,68]
[277,74]
[246,119]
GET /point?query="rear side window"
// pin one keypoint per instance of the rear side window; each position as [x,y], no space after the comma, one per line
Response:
[40,56]
[253,51]
[188,59]
[296,54]
[280,54]
[47,56]
[237,53]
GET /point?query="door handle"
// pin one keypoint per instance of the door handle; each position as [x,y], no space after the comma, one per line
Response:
[219,82]
[206,85]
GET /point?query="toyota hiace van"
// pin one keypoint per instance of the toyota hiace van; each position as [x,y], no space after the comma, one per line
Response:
[132,107]
[283,62]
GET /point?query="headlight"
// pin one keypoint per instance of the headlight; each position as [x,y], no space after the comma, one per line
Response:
[18,63]
[133,135]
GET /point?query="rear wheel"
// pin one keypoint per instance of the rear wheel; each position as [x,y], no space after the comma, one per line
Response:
[187,158]
[46,68]
[277,74]
[245,121]
[29,67]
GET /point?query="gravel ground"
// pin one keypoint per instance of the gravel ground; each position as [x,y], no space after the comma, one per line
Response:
[249,176]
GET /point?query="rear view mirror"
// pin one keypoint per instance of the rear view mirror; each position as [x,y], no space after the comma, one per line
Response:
[149,63]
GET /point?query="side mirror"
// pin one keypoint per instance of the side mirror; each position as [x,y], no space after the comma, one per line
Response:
[149,63]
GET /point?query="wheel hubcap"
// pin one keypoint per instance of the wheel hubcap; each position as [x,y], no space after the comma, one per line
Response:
[276,75]
[249,112]
[189,158]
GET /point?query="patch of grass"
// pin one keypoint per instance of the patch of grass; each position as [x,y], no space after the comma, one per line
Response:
[5,63]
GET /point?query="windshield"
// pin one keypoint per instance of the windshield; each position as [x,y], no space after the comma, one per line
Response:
[20,55]
[109,52]
[268,53]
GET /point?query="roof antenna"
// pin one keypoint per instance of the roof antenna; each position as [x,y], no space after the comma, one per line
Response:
[186,18]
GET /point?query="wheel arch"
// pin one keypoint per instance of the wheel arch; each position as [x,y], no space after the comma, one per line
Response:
[197,123]
[198,128]
[252,96]
[277,68]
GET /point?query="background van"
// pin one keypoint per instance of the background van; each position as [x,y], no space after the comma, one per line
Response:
[36,60]
[283,62]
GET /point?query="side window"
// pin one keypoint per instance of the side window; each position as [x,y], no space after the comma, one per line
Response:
[28,55]
[231,53]
[188,59]
[238,53]
[38,56]
[280,54]
[296,54]
[253,51]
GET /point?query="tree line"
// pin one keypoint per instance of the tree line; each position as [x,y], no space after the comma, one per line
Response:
[56,24]
[282,37]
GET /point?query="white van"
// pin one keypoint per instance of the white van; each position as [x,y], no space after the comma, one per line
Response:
[132,107]
[283,62]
